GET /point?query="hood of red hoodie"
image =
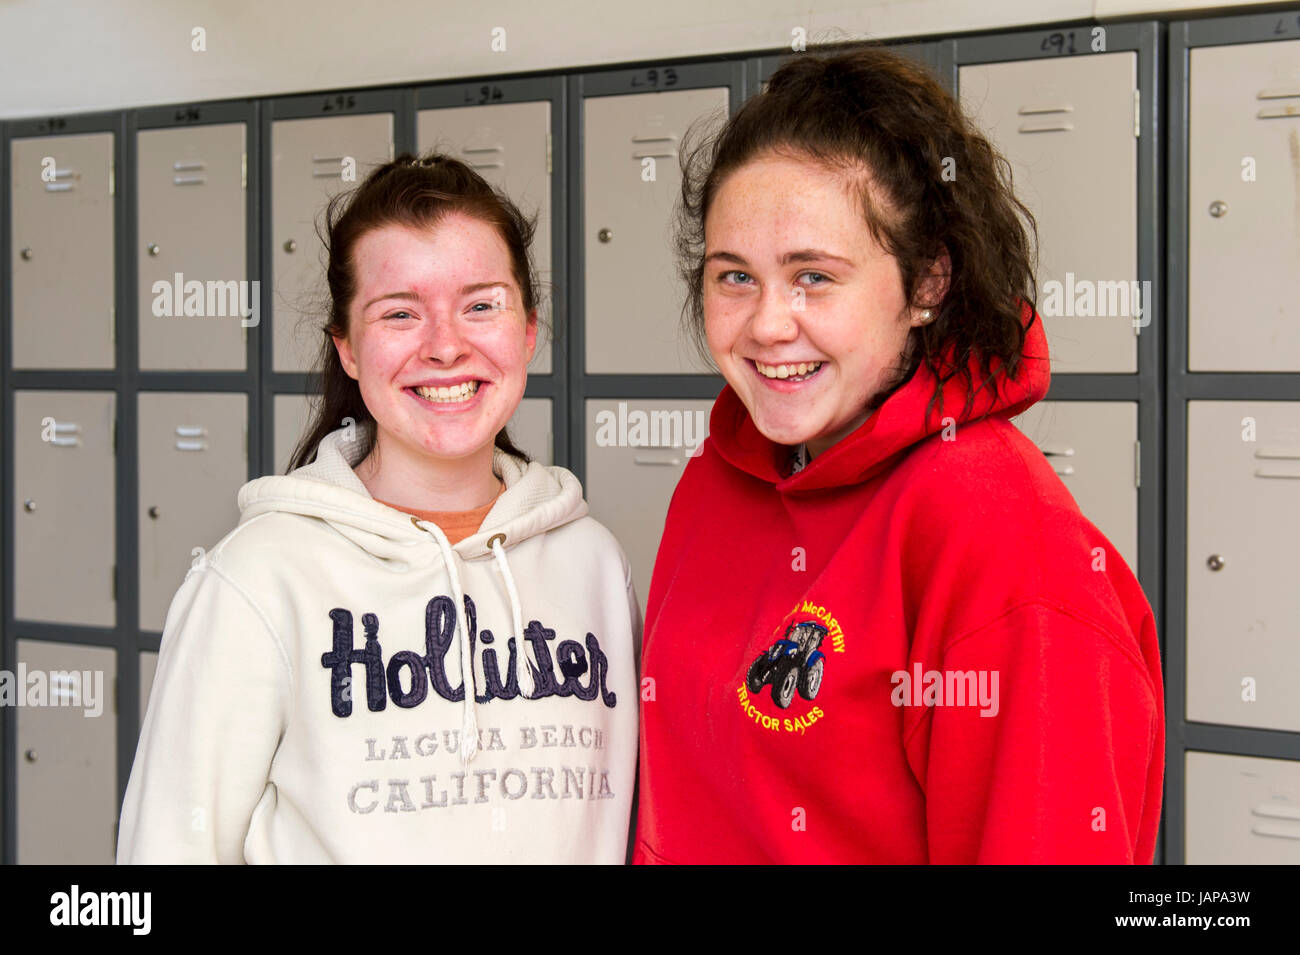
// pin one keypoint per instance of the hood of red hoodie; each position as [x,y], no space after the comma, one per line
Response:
[896,426]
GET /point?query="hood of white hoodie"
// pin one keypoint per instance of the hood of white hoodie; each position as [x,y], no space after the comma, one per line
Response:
[536,499]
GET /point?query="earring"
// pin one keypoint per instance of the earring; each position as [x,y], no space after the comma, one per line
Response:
[926,316]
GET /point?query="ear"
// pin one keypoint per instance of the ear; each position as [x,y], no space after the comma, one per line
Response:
[346,358]
[530,335]
[932,288]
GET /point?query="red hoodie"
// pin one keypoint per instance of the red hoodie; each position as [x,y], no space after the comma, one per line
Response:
[969,669]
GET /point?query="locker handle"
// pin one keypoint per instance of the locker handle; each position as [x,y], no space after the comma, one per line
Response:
[1066,469]
[191,430]
[1045,127]
[1034,110]
[67,427]
[1288,454]
[664,462]
[1275,830]
[1283,92]
[483,149]
[185,165]
[60,186]
[1273,811]
[670,138]
[1056,450]
[649,154]
[60,442]
[327,174]
[1289,111]
[191,446]
[486,165]
[189,180]
[1261,472]
[315,158]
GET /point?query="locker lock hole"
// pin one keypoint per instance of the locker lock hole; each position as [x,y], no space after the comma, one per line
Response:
[605,235]
[1218,208]
[153,511]
[290,246]
[26,254]
[29,505]
[1215,562]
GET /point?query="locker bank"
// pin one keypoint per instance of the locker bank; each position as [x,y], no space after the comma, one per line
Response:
[1158,154]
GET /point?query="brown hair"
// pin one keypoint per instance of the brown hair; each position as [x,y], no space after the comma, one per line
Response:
[868,106]
[415,192]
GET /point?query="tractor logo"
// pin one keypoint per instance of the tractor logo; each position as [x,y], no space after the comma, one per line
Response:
[795,662]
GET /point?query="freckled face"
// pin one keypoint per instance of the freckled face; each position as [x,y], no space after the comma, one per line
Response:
[438,340]
[804,312]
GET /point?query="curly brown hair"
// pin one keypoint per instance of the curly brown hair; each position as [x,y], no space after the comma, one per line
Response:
[881,117]
[410,191]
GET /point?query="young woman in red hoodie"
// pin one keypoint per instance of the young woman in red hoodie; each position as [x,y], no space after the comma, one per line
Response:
[879,628]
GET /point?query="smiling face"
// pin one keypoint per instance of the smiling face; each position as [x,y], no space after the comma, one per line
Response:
[437,337]
[804,312]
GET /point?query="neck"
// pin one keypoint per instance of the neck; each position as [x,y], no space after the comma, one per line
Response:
[410,477]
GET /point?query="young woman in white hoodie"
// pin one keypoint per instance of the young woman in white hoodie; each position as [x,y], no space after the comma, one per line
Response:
[417,647]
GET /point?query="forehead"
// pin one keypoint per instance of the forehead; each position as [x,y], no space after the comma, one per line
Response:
[456,246]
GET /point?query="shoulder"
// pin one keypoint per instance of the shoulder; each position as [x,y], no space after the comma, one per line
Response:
[585,543]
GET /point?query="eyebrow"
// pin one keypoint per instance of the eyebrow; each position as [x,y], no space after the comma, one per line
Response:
[799,255]
[413,297]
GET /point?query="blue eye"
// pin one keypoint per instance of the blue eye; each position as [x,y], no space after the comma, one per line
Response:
[818,274]
[399,314]
[487,306]
[735,272]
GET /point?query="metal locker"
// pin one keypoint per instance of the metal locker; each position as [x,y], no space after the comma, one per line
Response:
[509,145]
[1093,447]
[310,159]
[636,452]
[64,507]
[1243,196]
[1243,606]
[196,304]
[62,256]
[148,669]
[193,460]
[1242,810]
[633,295]
[292,418]
[67,755]
[530,429]
[1069,128]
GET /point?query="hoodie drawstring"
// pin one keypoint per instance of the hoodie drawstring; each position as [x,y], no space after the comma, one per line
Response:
[524,665]
[469,724]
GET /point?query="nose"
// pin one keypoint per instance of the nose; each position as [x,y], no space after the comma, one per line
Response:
[443,340]
[774,318]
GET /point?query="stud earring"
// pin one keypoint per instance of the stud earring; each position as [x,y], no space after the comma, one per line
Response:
[926,316]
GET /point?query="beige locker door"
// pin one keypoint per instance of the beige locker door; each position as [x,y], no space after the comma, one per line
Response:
[64,507]
[187,177]
[634,297]
[309,160]
[67,755]
[1242,810]
[148,669]
[1093,447]
[62,251]
[193,460]
[509,145]
[636,452]
[530,429]
[292,418]
[1243,195]
[1068,128]
[1243,517]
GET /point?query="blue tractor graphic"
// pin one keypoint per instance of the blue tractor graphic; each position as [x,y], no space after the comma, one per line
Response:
[793,662]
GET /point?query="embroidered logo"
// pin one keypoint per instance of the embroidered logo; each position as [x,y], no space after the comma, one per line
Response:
[792,669]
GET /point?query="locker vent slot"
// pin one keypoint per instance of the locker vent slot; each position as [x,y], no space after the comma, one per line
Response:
[1277,811]
[1285,92]
[649,153]
[1289,111]
[1274,453]
[67,434]
[1276,830]
[1045,127]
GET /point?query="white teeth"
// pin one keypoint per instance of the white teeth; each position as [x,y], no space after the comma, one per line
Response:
[453,394]
[798,371]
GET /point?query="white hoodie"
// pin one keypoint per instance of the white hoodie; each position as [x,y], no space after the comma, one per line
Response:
[308,704]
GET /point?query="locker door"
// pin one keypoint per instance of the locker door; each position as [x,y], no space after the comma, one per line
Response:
[193,460]
[64,507]
[190,176]
[1243,606]
[62,259]
[67,756]
[148,669]
[292,417]
[1068,128]
[1243,215]
[1242,810]
[309,159]
[633,295]
[509,145]
[530,429]
[1092,446]
[636,452]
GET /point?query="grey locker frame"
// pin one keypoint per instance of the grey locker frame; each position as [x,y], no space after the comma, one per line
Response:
[736,75]
[399,102]
[1183,386]
[1145,38]
[938,54]
[550,89]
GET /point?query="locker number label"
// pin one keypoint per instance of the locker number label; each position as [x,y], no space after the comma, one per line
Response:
[653,78]
[1065,42]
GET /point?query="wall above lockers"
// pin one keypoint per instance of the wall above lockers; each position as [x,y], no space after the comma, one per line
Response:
[78,56]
